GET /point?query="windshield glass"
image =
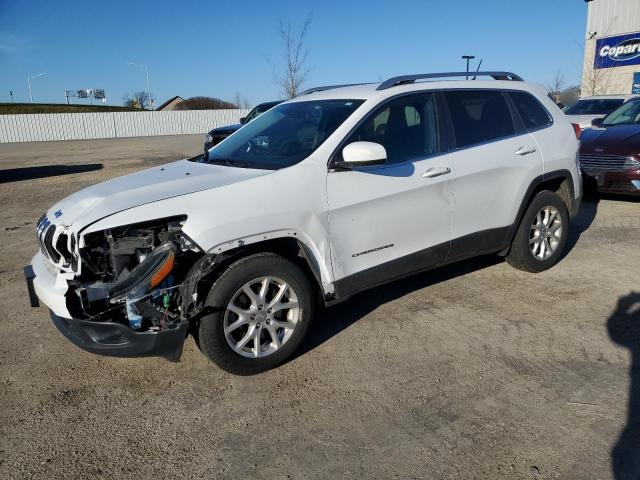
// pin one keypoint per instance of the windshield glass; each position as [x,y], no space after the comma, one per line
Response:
[629,113]
[283,136]
[600,106]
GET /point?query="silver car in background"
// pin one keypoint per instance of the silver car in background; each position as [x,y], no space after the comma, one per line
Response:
[587,109]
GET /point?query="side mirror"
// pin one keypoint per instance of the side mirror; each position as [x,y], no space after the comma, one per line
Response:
[597,122]
[362,154]
[242,120]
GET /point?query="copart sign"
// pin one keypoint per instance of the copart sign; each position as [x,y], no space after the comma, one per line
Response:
[618,51]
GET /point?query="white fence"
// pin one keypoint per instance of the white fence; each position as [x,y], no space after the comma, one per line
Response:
[83,126]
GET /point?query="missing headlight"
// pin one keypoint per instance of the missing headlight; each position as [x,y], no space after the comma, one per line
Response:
[130,274]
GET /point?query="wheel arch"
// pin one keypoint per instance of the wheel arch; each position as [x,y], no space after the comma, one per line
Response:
[288,244]
[558,181]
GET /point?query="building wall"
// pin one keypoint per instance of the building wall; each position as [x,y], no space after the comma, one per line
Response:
[606,18]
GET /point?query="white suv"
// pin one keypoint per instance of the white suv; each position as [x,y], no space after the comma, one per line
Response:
[335,191]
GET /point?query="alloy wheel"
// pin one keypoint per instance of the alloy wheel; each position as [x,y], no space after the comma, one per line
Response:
[545,233]
[261,317]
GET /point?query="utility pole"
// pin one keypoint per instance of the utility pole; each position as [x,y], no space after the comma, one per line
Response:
[467,58]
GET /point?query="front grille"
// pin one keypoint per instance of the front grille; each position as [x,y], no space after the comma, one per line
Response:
[608,163]
[57,245]
[48,244]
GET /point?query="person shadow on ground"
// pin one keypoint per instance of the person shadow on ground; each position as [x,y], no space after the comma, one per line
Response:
[624,329]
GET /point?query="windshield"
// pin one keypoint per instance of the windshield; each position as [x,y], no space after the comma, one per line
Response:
[600,106]
[283,136]
[629,113]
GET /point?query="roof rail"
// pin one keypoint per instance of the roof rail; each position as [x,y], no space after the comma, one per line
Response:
[404,79]
[327,87]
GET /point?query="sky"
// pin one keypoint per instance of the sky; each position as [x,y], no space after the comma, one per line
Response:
[215,48]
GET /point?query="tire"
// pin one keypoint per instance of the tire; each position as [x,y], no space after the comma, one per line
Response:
[520,254]
[227,295]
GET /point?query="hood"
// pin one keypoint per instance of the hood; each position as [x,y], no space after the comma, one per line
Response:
[151,185]
[226,129]
[617,140]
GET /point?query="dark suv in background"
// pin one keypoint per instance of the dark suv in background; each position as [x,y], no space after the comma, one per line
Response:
[216,135]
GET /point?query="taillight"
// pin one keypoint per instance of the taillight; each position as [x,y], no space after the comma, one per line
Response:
[577,130]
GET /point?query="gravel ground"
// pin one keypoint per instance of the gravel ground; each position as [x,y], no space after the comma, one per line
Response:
[473,371]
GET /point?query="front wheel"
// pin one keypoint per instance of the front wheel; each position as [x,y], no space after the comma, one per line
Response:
[262,307]
[541,235]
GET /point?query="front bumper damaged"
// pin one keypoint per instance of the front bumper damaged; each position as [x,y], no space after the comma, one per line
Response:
[104,337]
[118,340]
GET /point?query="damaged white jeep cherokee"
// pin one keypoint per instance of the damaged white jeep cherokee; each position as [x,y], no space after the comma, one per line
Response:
[336,191]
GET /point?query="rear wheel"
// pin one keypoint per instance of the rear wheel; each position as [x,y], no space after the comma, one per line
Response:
[542,234]
[262,308]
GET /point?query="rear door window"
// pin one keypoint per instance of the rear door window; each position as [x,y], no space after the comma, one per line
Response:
[479,116]
[533,114]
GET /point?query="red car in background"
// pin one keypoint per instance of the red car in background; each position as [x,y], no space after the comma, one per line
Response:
[610,150]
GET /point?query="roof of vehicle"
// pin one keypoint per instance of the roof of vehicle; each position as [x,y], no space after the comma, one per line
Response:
[272,103]
[370,90]
[608,97]
[418,82]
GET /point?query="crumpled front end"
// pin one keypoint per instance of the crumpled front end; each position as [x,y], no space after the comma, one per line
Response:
[120,291]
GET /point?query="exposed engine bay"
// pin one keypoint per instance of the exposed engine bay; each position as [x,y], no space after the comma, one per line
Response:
[135,275]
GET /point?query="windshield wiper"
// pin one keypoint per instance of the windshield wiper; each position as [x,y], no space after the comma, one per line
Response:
[227,162]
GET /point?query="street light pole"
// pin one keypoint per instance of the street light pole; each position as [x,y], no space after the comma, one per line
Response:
[29,78]
[146,69]
[467,58]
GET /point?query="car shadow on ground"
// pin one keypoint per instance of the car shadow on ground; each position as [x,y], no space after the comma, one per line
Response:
[582,221]
[333,320]
[31,173]
[624,329]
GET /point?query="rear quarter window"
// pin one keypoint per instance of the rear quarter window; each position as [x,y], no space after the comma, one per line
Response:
[532,113]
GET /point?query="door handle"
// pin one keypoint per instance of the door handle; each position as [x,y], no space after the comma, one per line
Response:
[524,150]
[436,172]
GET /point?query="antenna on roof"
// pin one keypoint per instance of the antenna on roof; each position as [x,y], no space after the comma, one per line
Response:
[478,69]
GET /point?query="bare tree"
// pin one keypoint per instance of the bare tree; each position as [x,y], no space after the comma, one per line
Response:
[596,80]
[139,99]
[240,101]
[570,95]
[293,72]
[556,85]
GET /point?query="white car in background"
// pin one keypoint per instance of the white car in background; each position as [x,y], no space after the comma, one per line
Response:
[587,109]
[338,190]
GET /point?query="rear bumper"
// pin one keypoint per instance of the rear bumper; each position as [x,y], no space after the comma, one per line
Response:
[625,182]
[117,340]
